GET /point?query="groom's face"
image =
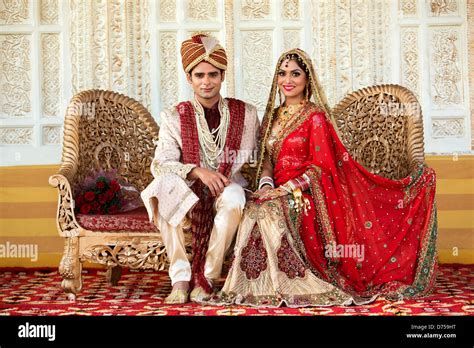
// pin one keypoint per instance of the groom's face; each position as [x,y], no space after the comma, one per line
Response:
[206,80]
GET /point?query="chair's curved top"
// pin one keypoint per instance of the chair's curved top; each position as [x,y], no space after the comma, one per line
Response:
[381,127]
[108,130]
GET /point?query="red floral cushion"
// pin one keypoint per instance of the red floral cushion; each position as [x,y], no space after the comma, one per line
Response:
[131,221]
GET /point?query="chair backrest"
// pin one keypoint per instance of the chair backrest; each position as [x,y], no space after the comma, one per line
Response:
[107,130]
[381,127]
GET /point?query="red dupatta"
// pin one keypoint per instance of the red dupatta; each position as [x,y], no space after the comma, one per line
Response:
[202,216]
[393,222]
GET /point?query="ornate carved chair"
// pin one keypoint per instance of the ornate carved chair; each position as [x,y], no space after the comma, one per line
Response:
[381,127]
[105,130]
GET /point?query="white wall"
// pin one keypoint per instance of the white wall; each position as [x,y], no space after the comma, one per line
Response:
[133,47]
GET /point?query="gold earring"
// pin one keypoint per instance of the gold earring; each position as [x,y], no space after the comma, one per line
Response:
[307,92]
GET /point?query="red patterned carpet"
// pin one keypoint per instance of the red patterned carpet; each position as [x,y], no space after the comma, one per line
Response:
[38,292]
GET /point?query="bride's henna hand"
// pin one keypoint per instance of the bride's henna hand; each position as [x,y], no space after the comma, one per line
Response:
[271,194]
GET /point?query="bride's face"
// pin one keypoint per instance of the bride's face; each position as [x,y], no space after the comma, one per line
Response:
[291,79]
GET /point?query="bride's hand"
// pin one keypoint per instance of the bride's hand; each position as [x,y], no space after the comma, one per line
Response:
[260,192]
[272,194]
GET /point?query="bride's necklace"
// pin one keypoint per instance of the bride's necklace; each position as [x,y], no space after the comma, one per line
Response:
[212,148]
[285,113]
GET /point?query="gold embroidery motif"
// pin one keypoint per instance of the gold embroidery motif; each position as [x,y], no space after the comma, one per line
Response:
[182,170]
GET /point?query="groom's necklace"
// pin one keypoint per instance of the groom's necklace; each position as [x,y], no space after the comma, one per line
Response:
[212,147]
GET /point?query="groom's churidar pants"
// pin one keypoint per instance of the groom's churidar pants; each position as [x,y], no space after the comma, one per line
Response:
[229,207]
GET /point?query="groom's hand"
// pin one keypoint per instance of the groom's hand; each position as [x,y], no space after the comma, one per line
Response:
[215,181]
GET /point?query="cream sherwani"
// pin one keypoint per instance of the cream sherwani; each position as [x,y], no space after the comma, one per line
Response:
[175,198]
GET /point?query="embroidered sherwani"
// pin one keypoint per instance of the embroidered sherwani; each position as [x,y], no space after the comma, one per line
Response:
[176,199]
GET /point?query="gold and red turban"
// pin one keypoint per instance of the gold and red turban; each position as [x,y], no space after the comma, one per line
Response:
[202,47]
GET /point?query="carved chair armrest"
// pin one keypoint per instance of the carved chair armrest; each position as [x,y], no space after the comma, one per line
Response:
[65,218]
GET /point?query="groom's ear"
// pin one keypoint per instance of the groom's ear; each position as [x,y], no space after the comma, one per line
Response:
[188,77]
[222,75]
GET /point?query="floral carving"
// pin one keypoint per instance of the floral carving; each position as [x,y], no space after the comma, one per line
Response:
[50,89]
[15,85]
[167,10]
[169,73]
[14,11]
[202,10]
[51,135]
[291,9]
[257,74]
[408,7]
[448,128]
[445,70]
[255,9]
[16,136]
[443,7]
[49,11]
[410,60]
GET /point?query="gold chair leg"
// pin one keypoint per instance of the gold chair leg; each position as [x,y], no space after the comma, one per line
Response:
[113,275]
[70,268]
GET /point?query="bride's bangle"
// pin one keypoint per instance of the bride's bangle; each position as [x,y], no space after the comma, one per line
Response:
[265,180]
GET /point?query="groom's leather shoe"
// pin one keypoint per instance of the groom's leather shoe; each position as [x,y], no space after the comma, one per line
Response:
[199,294]
[178,296]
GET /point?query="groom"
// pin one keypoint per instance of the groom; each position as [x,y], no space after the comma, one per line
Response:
[202,146]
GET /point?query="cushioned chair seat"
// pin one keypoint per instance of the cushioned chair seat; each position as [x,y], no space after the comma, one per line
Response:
[131,221]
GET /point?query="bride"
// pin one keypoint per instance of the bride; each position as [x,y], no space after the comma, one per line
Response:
[321,230]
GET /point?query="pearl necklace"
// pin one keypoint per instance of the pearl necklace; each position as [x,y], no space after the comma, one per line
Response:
[211,149]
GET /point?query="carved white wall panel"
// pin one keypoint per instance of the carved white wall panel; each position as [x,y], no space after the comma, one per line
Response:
[51,49]
[256,9]
[169,89]
[167,11]
[257,67]
[35,82]
[443,7]
[81,32]
[343,49]
[448,128]
[16,136]
[15,82]
[361,65]
[291,39]
[409,8]
[50,84]
[229,46]
[445,68]
[433,64]
[350,44]
[202,10]
[324,46]
[52,135]
[15,12]
[291,9]
[49,11]
[98,50]
[118,50]
[110,46]
[380,16]
[410,62]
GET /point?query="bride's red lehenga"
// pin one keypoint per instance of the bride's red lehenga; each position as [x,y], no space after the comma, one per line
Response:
[393,222]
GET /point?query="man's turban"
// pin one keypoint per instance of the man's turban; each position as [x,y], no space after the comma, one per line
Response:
[201,48]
